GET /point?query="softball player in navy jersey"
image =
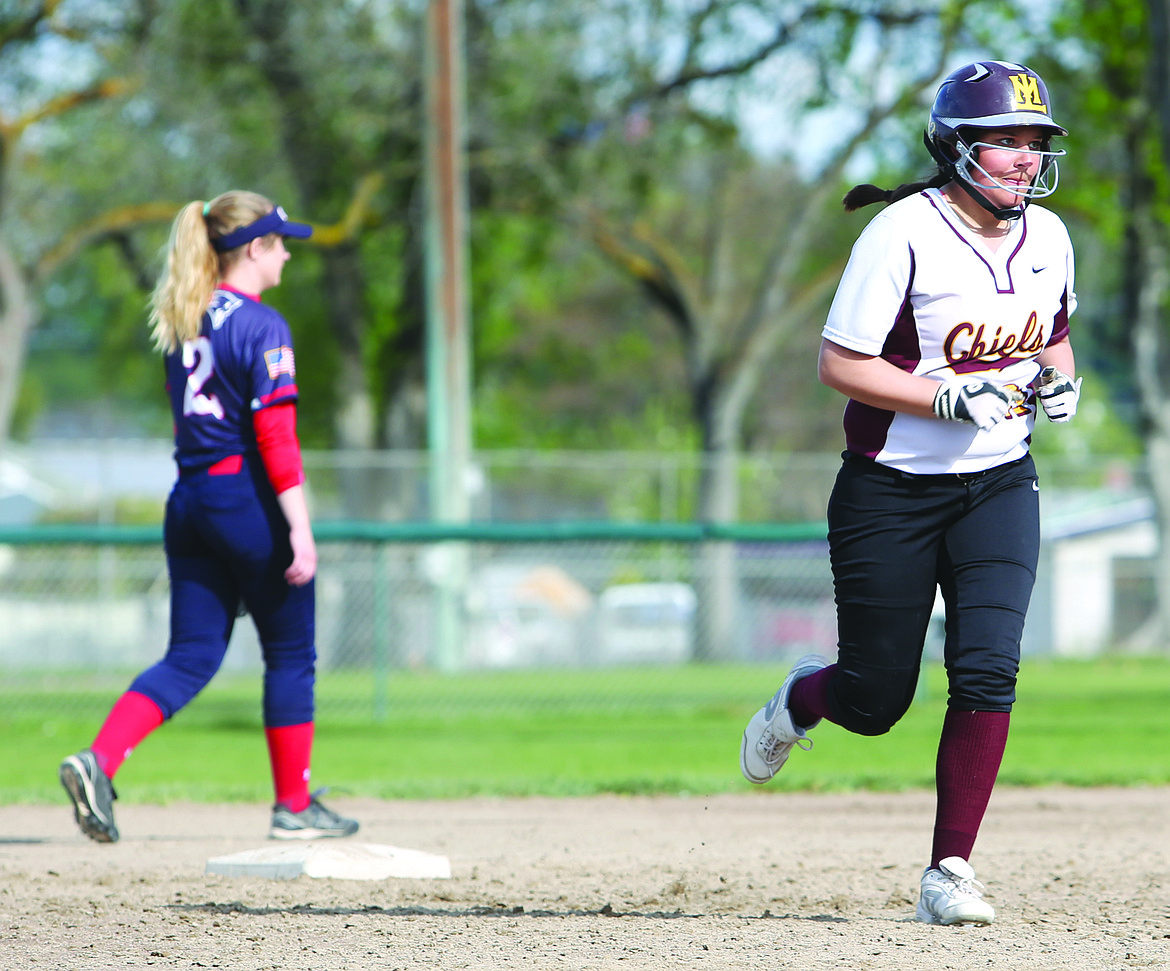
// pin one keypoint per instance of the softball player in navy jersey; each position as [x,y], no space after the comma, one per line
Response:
[948,333]
[237,531]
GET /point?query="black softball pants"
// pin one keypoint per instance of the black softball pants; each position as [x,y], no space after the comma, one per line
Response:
[894,538]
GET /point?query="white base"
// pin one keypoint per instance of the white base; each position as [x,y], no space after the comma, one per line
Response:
[330,858]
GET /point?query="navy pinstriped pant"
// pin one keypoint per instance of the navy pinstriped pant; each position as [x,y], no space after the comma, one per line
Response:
[894,537]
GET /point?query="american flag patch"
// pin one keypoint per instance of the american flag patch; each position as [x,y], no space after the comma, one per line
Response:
[280,361]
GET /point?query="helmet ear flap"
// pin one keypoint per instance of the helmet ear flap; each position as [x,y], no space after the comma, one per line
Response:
[934,146]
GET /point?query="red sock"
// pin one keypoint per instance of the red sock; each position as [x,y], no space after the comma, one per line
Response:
[133,717]
[289,750]
[969,754]
[809,698]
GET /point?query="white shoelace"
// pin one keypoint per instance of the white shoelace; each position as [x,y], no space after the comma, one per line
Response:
[771,753]
[965,886]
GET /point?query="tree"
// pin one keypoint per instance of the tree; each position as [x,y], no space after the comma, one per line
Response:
[1121,187]
[733,305]
[1149,297]
[610,119]
[613,117]
[29,34]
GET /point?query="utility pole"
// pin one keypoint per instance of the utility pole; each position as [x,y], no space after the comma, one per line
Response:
[448,330]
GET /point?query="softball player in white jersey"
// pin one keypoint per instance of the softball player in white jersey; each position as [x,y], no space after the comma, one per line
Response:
[948,333]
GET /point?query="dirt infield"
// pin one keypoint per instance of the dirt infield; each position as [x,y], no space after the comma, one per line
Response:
[1080,879]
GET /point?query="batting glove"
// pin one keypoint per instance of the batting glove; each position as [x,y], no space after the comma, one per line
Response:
[973,400]
[1059,394]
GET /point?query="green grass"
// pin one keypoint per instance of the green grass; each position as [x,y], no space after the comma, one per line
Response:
[1081,723]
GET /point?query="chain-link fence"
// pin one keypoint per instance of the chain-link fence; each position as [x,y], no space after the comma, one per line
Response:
[86,602]
[78,602]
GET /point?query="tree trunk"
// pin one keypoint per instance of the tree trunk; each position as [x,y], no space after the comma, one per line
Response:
[1158,456]
[16,320]
[717,577]
[1148,300]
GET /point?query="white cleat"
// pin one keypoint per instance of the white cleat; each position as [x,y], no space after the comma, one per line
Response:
[771,733]
[952,895]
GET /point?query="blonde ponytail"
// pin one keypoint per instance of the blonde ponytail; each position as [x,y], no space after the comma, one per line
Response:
[193,267]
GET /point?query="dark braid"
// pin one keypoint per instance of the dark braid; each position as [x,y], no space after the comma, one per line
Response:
[867,193]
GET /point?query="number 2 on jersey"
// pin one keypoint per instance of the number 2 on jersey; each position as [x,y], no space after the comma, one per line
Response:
[199,361]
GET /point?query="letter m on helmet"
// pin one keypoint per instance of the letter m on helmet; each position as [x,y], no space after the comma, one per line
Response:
[1027,93]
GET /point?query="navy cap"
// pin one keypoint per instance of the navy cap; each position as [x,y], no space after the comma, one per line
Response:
[276,221]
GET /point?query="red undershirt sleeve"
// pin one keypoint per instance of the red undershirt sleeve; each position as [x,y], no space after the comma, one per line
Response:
[276,437]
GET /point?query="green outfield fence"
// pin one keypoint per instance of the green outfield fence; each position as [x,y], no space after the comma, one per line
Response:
[575,569]
[82,607]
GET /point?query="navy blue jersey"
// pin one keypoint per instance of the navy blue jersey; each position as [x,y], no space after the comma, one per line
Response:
[241,361]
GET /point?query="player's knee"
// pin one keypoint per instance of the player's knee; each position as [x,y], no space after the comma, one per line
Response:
[195,671]
[871,705]
[874,714]
[870,723]
[178,677]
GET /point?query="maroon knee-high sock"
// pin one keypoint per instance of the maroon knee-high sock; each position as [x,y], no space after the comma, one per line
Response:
[969,754]
[808,699]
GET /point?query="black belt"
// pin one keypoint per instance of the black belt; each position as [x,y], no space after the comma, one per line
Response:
[870,465]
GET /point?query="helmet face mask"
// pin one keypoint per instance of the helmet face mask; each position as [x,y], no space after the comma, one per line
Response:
[968,169]
[991,96]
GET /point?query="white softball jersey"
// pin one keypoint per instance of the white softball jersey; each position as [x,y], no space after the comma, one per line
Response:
[923,291]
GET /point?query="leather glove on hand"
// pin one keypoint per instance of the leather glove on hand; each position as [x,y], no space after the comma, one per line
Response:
[1058,394]
[973,400]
